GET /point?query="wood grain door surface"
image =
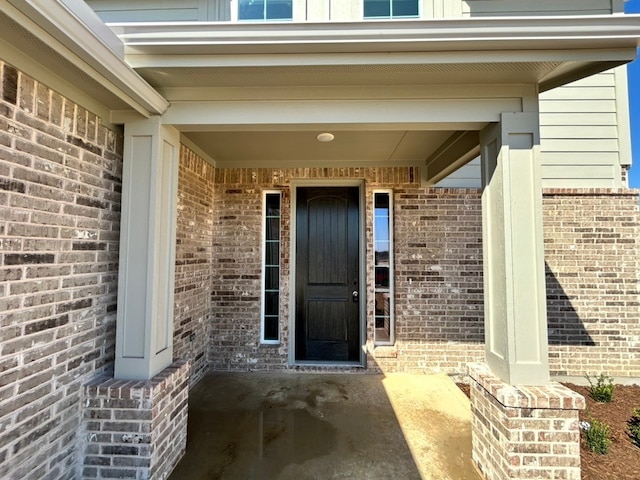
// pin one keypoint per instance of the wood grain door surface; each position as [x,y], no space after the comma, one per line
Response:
[327,274]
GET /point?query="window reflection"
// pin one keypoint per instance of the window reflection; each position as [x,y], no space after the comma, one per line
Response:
[265,9]
[390,8]
[382,277]
[383,268]
[271,269]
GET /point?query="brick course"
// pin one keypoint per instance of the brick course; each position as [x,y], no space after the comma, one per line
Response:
[60,181]
[524,432]
[136,429]
[194,250]
[438,282]
[590,258]
[591,252]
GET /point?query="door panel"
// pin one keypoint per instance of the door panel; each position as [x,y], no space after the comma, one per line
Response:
[327,270]
[326,320]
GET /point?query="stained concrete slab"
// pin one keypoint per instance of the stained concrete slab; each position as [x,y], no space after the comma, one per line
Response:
[327,426]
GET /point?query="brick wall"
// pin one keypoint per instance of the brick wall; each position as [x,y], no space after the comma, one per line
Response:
[60,173]
[590,239]
[591,250]
[136,429]
[524,432]
[438,271]
[236,277]
[438,275]
[193,262]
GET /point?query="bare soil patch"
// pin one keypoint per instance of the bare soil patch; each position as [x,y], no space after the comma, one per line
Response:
[623,460]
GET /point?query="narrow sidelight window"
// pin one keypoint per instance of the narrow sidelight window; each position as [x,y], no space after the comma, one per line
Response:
[390,8]
[383,266]
[271,268]
[265,9]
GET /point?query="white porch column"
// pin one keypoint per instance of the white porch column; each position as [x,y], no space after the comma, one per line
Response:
[514,275]
[144,328]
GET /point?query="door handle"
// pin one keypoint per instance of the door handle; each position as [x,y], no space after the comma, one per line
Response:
[354,295]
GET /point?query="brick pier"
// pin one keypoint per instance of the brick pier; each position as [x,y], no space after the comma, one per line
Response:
[522,432]
[136,429]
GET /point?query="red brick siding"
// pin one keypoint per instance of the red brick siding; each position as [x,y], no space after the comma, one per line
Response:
[194,250]
[136,429]
[237,270]
[60,182]
[438,275]
[524,432]
[591,251]
[438,247]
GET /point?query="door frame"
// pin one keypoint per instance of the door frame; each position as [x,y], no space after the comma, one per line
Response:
[362,307]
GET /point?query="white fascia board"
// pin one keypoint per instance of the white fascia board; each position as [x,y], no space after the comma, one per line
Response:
[72,29]
[465,35]
[92,23]
[176,60]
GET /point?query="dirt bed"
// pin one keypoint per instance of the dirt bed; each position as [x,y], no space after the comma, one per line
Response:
[623,460]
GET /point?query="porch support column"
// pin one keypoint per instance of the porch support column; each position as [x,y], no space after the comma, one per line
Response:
[522,424]
[514,279]
[144,328]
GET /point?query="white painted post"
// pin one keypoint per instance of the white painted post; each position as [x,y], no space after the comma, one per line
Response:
[514,274]
[144,326]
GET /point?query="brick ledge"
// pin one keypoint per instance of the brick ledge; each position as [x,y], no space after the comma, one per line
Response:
[617,192]
[552,396]
[108,386]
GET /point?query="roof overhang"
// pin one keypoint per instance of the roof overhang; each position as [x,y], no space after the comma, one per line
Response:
[65,42]
[231,83]
[128,66]
[548,51]
[211,77]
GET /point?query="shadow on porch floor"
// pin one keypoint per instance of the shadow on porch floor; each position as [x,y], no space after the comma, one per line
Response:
[321,426]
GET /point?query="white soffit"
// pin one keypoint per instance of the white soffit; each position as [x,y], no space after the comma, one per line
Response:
[164,78]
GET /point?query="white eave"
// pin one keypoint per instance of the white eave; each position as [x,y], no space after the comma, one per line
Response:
[467,34]
[125,66]
[67,35]
[569,47]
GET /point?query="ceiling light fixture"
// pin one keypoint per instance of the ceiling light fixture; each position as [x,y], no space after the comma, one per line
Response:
[325,137]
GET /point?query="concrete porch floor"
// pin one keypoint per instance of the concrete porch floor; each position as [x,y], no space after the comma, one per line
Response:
[321,426]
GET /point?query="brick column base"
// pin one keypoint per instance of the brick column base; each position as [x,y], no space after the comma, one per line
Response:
[524,431]
[136,429]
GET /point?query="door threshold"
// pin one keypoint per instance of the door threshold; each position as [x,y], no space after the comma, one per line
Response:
[318,363]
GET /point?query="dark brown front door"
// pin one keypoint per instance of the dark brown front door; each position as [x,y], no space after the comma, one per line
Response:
[327,274]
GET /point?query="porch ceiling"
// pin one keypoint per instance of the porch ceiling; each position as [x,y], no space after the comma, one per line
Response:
[301,148]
